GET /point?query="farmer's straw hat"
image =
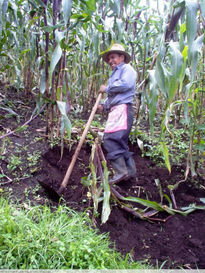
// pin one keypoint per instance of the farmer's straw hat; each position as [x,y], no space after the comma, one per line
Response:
[116,48]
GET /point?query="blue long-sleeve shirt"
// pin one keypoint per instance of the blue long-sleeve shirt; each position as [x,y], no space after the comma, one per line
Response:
[121,86]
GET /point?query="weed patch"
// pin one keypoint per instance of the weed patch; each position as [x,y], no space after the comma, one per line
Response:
[36,238]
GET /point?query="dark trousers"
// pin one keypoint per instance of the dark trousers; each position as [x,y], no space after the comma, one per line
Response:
[116,144]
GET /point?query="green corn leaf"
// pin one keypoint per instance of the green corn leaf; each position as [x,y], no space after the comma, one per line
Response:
[182,28]
[94,188]
[161,77]
[177,61]
[140,144]
[59,35]
[183,71]
[57,53]
[147,203]
[165,122]
[152,98]
[158,207]
[64,119]
[185,52]
[106,200]
[173,85]
[67,125]
[115,7]
[62,107]
[191,21]
[194,54]
[62,127]
[43,82]
[15,9]
[202,6]
[191,208]
[9,110]
[168,199]
[66,7]
[166,156]
[5,6]
[182,40]
[3,9]
[153,109]
[202,200]
[15,38]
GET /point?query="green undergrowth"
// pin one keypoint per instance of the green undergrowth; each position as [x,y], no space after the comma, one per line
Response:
[151,145]
[38,238]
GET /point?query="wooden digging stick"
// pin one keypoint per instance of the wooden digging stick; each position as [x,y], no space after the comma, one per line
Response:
[72,163]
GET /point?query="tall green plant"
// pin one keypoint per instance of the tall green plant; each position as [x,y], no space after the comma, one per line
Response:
[55,46]
[175,76]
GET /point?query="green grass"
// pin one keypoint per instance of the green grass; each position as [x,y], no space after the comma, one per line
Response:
[37,238]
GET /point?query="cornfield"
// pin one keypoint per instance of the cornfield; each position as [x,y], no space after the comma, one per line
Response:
[50,51]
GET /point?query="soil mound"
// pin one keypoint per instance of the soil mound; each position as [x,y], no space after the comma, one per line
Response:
[173,241]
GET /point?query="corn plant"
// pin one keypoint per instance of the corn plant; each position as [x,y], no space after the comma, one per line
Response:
[98,182]
[50,49]
[174,80]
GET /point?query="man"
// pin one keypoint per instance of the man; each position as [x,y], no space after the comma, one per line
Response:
[120,92]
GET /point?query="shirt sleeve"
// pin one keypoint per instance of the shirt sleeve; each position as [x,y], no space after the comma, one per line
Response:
[126,80]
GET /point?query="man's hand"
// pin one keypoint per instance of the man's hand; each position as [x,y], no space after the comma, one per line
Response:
[102,88]
[100,108]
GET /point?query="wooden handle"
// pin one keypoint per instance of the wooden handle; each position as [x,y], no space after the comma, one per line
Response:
[72,163]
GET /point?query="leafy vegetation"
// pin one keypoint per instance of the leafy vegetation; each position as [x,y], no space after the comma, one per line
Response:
[37,238]
[152,147]
[55,46]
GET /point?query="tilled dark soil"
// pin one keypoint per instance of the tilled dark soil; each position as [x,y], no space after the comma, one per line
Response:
[174,240]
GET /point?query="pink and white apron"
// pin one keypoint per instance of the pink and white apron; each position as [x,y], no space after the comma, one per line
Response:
[117,119]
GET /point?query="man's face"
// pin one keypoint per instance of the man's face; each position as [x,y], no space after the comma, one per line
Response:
[115,59]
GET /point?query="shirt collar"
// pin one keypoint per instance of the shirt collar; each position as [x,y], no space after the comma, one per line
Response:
[118,67]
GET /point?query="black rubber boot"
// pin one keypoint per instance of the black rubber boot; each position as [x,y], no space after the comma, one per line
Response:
[131,167]
[120,169]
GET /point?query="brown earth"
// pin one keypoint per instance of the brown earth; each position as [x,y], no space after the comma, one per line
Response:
[172,241]
[177,240]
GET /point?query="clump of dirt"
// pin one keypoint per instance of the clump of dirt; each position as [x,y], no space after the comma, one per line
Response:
[176,239]
[53,170]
